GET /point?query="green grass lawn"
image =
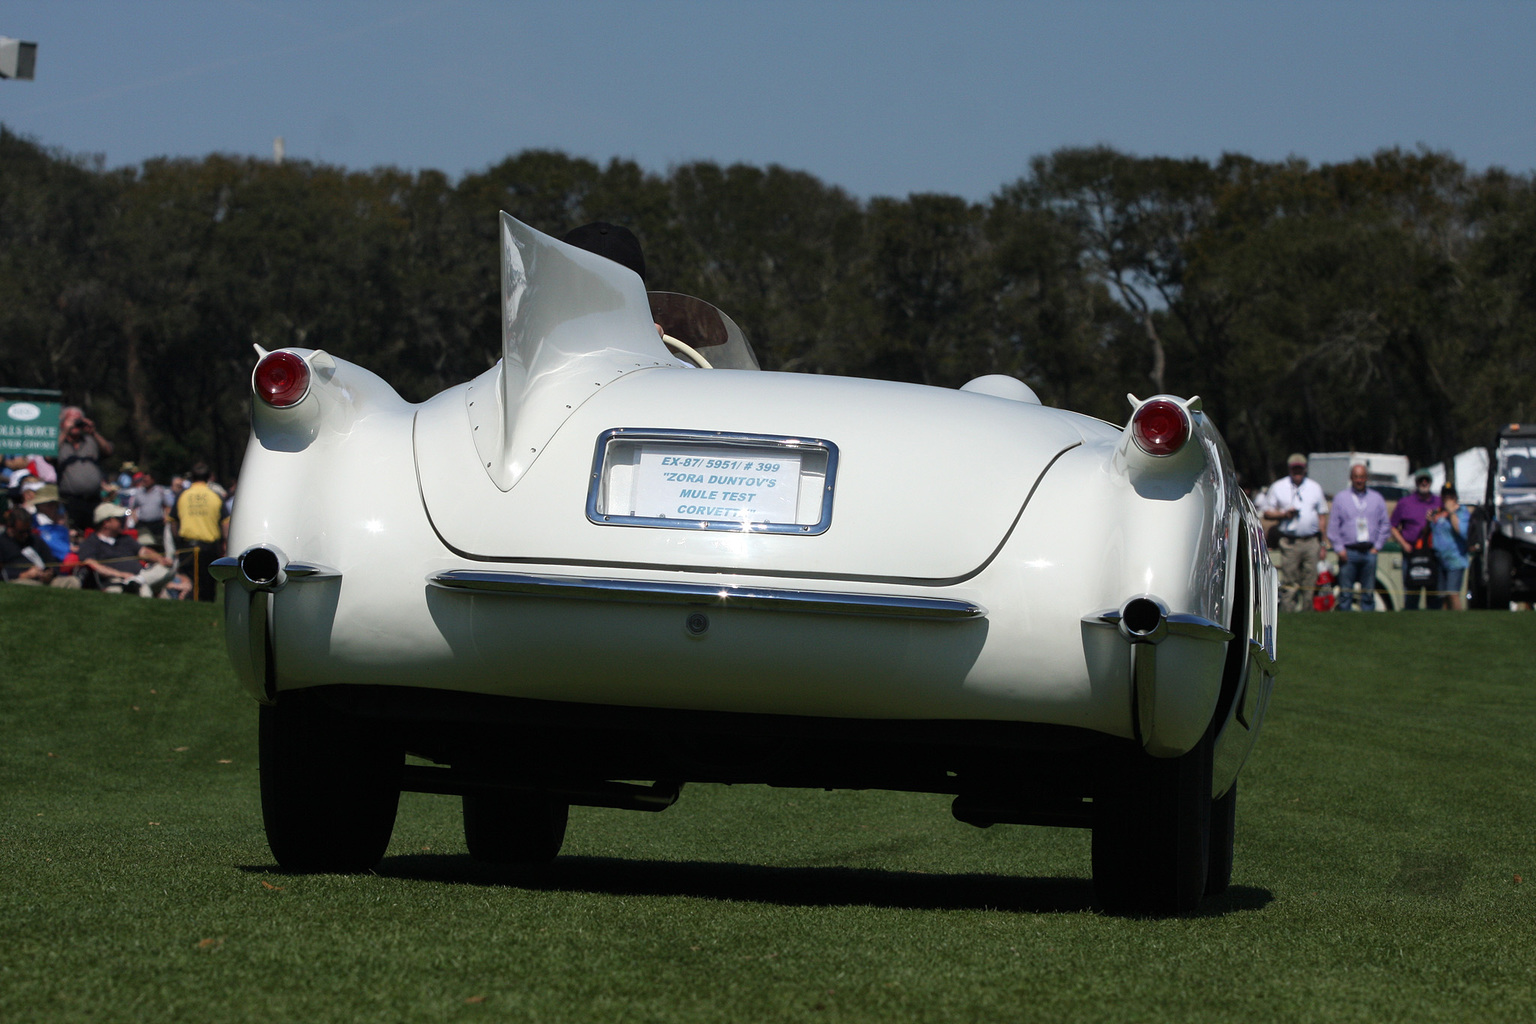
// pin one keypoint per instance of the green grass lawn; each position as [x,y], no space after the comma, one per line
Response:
[1385,824]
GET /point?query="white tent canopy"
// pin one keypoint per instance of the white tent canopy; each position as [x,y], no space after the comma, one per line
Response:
[1470,474]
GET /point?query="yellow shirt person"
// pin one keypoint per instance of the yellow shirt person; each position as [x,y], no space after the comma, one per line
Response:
[198,513]
[199,521]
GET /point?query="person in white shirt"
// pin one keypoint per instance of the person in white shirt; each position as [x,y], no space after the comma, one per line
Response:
[1296,505]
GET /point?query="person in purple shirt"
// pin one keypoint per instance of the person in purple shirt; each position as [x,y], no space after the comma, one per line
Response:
[1410,521]
[1358,526]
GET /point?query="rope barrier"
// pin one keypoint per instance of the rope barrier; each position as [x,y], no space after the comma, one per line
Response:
[1314,590]
[175,555]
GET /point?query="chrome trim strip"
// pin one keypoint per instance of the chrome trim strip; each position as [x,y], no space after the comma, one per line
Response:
[1198,627]
[311,571]
[224,569]
[718,595]
[720,438]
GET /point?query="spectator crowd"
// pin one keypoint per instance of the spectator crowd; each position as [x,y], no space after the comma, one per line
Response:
[1304,528]
[71,522]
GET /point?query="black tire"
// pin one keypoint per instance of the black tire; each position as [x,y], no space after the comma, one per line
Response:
[514,828]
[330,786]
[1218,872]
[1501,578]
[1151,830]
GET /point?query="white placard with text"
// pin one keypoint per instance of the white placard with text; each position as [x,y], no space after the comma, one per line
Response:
[675,482]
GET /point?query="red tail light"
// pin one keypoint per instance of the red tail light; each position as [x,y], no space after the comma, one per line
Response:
[281,379]
[1160,427]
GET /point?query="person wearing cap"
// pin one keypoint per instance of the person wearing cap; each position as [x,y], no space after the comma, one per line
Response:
[1296,506]
[23,557]
[1410,522]
[25,493]
[118,561]
[1358,526]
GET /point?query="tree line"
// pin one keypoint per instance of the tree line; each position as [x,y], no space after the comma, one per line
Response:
[1384,304]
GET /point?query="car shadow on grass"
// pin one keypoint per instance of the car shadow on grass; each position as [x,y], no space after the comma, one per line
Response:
[786,886]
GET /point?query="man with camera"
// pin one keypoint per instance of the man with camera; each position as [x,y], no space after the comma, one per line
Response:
[81,449]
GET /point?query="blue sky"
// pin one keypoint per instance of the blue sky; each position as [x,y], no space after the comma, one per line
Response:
[879,98]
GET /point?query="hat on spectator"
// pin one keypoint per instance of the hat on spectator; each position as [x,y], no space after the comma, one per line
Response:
[45,494]
[132,467]
[1296,459]
[1423,474]
[106,510]
[32,485]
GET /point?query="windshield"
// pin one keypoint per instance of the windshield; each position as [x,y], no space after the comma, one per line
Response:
[710,334]
[1517,474]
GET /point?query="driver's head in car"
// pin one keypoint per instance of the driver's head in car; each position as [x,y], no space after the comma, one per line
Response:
[615,242]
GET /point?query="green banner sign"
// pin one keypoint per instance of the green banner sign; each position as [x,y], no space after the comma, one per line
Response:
[29,427]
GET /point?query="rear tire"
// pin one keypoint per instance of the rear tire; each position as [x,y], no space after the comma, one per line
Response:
[514,828]
[330,785]
[1501,578]
[1152,831]
[1218,873]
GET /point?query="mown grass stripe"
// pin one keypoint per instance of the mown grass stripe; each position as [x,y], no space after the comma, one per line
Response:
[1383,823]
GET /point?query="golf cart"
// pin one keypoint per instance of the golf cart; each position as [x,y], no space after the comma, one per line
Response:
[1503,531]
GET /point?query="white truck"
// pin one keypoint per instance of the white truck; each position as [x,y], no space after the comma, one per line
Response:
[1389,474]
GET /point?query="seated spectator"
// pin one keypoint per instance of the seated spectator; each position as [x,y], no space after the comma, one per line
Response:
[48,521]
[71,563]
[23,557]
[43,503]
[178,589]
[116,560]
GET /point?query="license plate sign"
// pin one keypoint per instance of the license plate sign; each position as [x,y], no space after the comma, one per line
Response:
[714,481]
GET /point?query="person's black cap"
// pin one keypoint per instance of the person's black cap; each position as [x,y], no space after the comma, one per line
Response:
[617,243]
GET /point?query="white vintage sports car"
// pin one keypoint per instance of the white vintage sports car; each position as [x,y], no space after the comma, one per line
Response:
[625,553]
